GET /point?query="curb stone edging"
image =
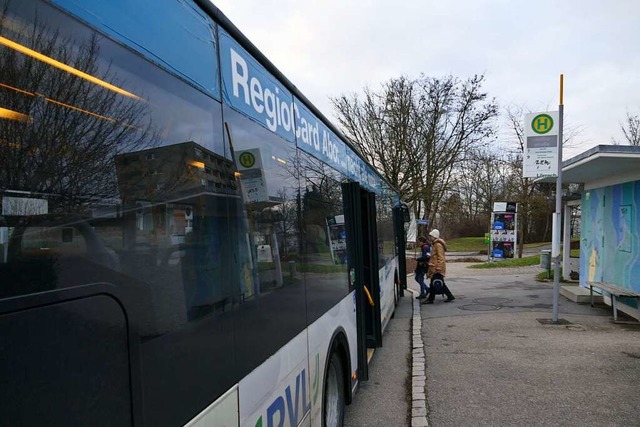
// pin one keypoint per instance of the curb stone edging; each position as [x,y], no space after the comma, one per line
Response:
[419,409]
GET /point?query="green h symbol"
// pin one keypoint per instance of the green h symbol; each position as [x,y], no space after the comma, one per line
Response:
[542,123]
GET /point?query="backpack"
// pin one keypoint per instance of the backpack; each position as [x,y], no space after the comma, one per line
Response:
[437,286]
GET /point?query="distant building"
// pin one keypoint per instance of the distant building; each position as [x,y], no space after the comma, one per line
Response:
[173,172]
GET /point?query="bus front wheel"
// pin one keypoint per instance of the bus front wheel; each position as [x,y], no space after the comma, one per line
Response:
[334,397]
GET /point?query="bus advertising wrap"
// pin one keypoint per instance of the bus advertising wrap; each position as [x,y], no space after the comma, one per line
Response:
[249,88]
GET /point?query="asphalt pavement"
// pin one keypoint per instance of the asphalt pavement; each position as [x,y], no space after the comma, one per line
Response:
[493,357]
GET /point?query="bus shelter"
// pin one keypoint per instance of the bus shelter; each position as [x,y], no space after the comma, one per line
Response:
[610,223]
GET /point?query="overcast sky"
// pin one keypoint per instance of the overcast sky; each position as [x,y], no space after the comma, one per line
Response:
[332,47]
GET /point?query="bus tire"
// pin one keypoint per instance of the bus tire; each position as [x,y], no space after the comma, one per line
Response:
[333,399]
[395,297]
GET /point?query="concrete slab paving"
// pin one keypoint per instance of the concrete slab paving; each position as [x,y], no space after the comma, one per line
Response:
[490,361]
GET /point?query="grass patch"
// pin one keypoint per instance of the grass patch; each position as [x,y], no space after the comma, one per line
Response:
[467,244]
[265,266]
[536,245]
[513,262]
[477,244]
[544,275]
[465,259]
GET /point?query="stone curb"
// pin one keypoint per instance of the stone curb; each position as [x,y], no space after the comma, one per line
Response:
[419,408]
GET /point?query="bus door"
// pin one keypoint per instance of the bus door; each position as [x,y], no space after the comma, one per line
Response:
[362,255]
[401,217]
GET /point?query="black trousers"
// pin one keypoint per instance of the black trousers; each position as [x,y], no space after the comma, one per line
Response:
[445,289]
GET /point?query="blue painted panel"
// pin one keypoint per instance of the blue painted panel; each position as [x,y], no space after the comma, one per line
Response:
[591,250]
[634,270]
[620,236]
[249,88]
[173,33]
[610,248]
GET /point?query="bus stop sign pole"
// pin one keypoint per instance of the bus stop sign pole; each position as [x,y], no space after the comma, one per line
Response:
[555,249]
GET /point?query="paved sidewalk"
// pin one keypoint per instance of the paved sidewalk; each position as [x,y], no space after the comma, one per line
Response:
[492,359]
[384,400]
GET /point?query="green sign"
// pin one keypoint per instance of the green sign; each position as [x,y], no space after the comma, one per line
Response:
[542,123]
[247,159]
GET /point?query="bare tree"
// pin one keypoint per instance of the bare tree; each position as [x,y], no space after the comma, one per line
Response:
[416,131]
[286,221]
[631,129]
[456,117]
[381,126]
[481,179]
[68,128]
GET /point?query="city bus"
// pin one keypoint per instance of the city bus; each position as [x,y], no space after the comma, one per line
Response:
[184,238]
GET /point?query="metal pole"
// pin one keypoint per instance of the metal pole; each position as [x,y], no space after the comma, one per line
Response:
[558,214]
[515,233]
[490,248]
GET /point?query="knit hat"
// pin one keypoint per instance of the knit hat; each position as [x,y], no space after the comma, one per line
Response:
[434,233]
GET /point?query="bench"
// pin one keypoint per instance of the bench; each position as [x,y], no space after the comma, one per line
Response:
[615,292]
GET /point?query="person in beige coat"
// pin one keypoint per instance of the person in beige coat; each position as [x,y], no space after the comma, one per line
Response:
[437,268]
